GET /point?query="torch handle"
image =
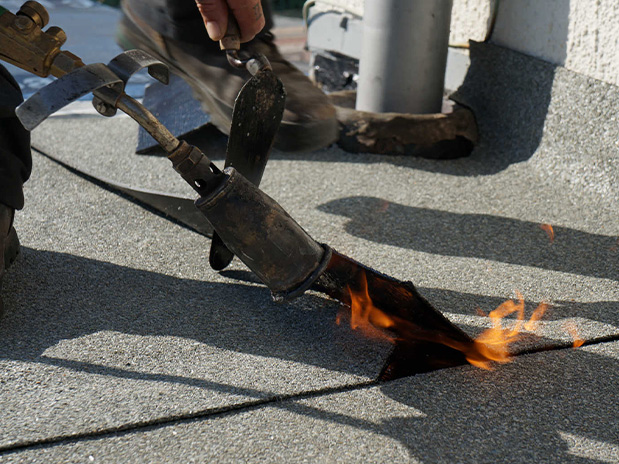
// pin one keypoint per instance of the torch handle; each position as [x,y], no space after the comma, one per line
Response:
[232,38]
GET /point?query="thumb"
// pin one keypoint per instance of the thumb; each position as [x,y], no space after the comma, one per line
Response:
[215,16]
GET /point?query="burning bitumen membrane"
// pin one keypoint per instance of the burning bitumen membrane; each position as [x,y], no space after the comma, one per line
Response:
[423,339]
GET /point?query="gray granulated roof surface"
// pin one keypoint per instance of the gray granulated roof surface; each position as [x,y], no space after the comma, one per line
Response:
[121,345]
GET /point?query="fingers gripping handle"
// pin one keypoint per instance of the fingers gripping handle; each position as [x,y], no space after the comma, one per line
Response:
[232,39]
[231,44]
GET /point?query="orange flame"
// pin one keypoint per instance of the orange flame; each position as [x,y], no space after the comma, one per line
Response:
[366,317]
[481,312]
[549,230]
[572,329]
[537,315]
[492,345]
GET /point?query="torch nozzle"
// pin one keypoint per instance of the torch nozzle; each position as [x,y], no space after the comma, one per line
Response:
[424,339]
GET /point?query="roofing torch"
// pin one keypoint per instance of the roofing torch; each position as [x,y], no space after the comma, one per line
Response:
[252,225]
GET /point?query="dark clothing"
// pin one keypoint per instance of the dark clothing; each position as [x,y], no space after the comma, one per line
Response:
[180,19]
[15,156]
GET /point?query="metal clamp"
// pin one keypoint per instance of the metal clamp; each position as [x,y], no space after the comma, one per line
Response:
[244,60]
[66,89]
[124,66]
[104,81]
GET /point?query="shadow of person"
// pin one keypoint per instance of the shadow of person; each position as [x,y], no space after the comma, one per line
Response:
[551,407]
[484,236]
[54,297]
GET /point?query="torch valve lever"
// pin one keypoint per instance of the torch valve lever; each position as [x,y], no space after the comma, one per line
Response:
[24,44]
[242,59]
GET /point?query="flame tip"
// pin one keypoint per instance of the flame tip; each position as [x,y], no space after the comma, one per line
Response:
[549,231]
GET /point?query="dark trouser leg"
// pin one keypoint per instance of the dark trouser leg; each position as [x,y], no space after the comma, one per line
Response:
[309,122]
[180,19]
[15,156]
[15,166]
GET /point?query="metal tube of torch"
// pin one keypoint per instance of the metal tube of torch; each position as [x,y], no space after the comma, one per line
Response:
[148,121]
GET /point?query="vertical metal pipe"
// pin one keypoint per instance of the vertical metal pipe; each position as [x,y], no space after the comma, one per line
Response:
[404,54]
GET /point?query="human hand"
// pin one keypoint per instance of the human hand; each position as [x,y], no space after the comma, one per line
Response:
[248,14]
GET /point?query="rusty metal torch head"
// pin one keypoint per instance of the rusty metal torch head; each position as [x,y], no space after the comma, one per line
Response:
[264,236]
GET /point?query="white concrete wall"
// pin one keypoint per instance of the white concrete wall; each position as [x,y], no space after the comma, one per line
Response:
[593,40]
[582,35]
